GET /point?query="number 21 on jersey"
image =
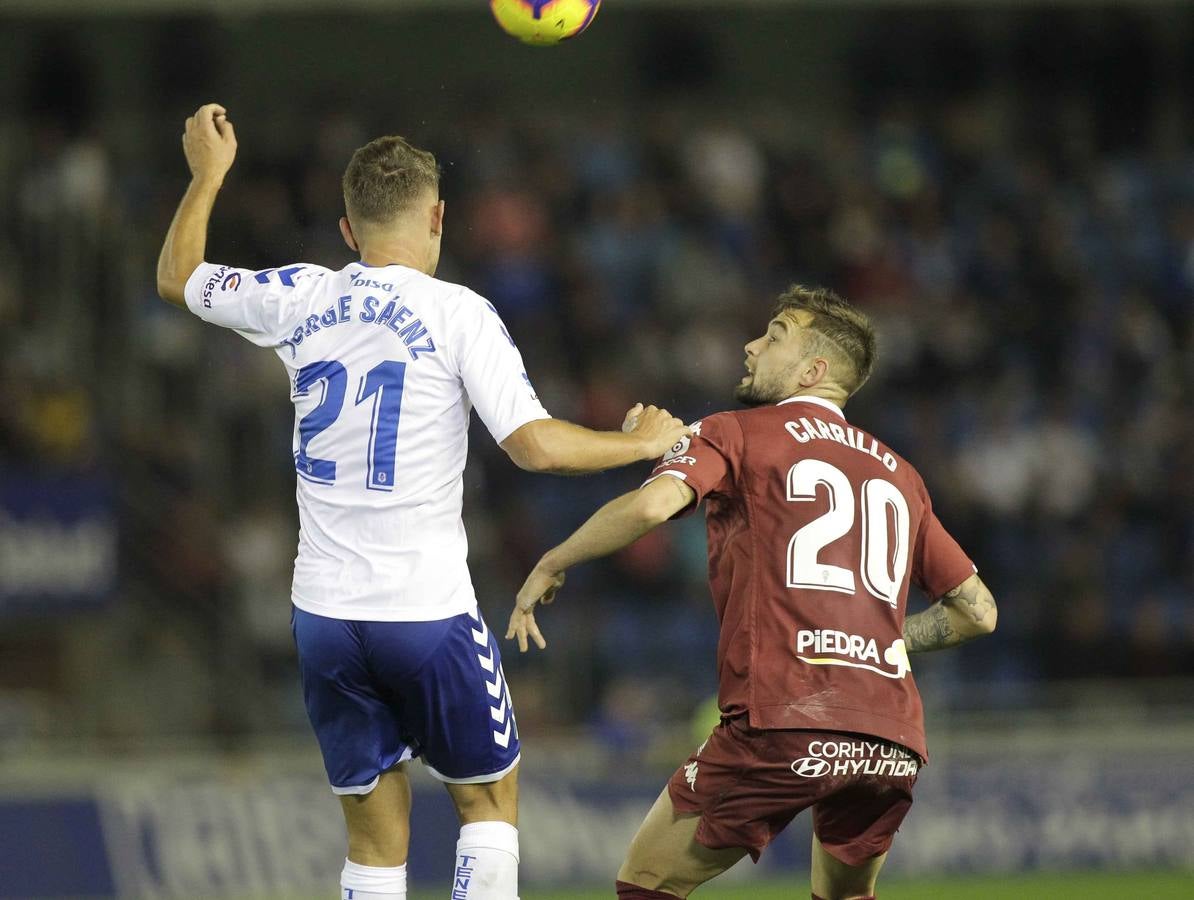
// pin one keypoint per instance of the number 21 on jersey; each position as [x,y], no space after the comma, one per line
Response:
[383,383]
[883,557]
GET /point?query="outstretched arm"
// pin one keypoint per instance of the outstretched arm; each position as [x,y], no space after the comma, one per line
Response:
[619,523]
[562,448]
[968,611]
[210,147]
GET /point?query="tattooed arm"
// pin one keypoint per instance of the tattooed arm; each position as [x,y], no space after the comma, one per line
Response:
[966,612]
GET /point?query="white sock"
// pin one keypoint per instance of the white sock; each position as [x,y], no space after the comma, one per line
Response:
[486,862]
[359,882]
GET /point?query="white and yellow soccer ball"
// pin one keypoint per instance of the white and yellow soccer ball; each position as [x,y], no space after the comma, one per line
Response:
[544,22]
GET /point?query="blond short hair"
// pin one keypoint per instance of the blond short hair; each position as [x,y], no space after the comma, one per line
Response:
[385,177]
[843,332]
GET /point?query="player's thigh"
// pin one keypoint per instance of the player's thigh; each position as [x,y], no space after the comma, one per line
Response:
[487,801]
[379,822]
[856,823]
[359,731]
[458,708]
[833,879]
[665,855]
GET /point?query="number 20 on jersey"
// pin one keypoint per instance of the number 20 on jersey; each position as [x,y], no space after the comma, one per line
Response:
[883,556]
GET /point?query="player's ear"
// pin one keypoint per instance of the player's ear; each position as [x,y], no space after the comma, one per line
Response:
[349,237]
[814,373]
[437,219]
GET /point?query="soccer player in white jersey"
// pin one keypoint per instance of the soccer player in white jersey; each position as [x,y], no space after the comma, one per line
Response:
[385,363]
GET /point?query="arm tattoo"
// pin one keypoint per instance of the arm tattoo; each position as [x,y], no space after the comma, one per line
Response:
[929,630]
[961,614]
[971,599]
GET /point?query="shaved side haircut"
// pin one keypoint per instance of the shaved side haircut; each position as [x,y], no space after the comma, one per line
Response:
[844,334]
[385,177]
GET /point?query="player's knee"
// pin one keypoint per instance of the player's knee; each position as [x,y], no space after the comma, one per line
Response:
[369,849]
[626,874]
[497,800]
[629,891]
[376,840]
[644,868]
[642,876]
[474,805]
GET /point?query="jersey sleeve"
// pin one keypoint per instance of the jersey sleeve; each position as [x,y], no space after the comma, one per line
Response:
[259,306]
[703,461]
[938,564]
[493,372]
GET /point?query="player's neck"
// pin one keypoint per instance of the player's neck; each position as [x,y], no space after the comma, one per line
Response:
[835,397]
[393,254]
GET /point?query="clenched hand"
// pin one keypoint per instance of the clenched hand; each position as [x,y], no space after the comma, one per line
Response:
[209,143]
[657,428]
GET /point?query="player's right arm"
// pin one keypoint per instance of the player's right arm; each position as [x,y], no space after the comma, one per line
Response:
[562,448]
[966,612]
[499,389]
[209,144]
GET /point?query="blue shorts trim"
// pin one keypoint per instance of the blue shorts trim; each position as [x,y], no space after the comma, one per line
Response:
[476,779]
[381,693]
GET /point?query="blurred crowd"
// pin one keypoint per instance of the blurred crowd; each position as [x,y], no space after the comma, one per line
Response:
[1032,282]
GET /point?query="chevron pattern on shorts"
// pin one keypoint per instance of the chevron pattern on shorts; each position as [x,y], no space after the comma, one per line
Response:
[500,708]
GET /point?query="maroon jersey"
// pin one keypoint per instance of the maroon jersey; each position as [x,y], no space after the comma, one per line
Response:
[815,531]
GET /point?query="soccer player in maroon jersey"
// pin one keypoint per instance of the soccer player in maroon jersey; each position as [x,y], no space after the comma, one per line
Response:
[815,530]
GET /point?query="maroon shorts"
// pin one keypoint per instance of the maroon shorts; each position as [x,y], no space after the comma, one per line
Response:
[747,785]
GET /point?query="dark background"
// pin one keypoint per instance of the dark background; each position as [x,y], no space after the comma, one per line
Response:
[1008,192]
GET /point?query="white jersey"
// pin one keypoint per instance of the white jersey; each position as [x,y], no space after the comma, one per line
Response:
[385,365]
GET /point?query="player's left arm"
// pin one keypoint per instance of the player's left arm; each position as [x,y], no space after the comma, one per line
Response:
[209,144]
[966,612]
[618,524]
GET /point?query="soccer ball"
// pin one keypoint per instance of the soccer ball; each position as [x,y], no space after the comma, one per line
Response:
[544,22]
